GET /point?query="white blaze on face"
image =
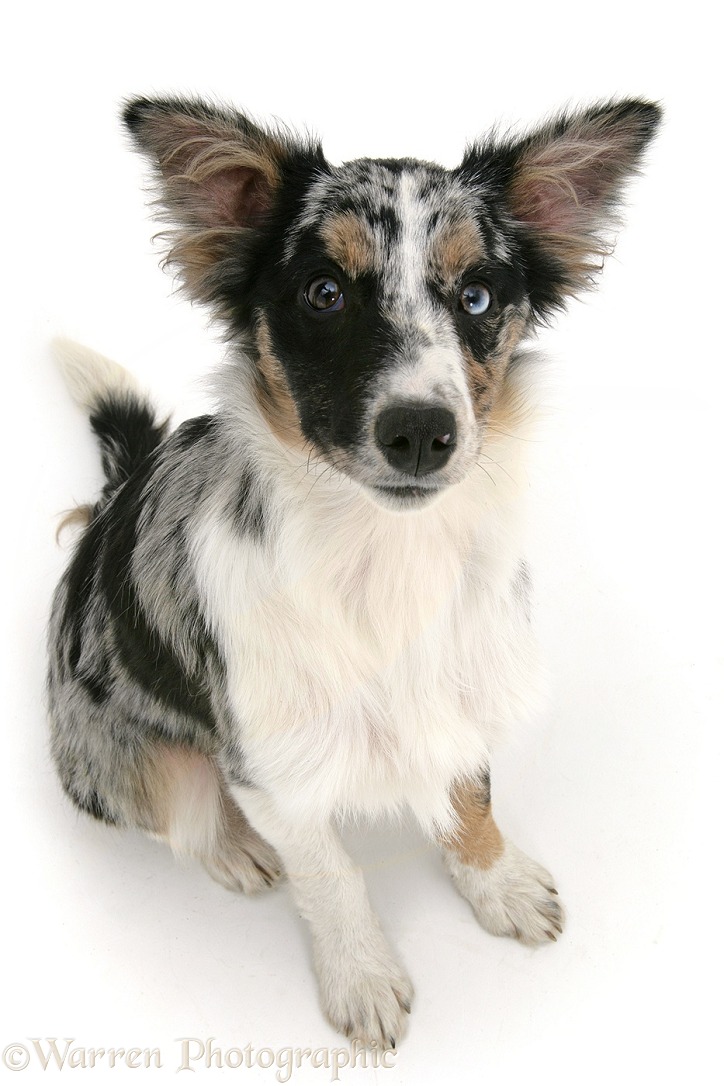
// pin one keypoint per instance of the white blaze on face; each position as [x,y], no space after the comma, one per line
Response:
[430,368]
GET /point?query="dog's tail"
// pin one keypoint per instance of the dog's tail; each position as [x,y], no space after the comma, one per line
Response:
[121,415]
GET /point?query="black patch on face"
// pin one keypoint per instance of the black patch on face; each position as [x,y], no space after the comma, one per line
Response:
[331,360]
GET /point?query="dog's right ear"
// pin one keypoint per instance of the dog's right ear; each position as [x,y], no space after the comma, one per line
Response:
[218,177]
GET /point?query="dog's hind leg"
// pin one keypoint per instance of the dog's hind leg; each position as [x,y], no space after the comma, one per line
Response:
[187,805]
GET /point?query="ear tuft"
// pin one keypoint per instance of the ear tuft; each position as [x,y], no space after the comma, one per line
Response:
[134,112]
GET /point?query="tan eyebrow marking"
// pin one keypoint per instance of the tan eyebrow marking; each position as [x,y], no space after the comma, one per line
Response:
[350,242]
[455,247]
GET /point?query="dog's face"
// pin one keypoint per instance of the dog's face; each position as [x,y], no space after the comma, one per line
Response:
[381,302]
[388,305]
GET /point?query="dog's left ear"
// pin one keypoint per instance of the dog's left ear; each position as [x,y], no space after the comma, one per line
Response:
[219,175]
[562,185]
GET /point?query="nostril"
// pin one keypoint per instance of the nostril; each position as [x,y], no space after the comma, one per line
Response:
[399,442]
[443,442]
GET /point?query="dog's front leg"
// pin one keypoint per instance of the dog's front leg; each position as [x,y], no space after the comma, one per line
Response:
[364,992]
[510,893]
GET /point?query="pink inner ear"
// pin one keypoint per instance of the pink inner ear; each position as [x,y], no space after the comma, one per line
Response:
[239,196]
[559,186]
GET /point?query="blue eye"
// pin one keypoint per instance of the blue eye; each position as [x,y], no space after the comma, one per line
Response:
[324,294]
[475,299]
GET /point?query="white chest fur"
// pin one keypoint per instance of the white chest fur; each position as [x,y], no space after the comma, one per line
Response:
[371,657]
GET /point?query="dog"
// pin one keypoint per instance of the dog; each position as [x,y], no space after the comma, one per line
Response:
[313,604]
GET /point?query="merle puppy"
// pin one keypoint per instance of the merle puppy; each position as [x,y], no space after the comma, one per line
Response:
[313,604]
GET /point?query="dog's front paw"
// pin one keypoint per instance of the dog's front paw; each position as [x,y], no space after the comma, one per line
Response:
[367,998]
[515,896]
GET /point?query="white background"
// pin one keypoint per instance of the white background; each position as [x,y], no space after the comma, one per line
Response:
[107,940]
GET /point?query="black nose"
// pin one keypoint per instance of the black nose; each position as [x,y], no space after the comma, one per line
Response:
[416,440]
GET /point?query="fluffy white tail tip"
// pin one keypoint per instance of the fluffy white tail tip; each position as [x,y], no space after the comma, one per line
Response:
[91,377]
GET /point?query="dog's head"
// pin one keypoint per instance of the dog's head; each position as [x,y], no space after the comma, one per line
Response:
[381,301]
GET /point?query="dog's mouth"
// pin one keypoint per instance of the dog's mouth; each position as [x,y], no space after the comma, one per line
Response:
[407,493]
[405,497]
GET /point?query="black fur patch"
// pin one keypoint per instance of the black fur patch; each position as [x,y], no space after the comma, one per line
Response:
[193,430]
[92,804]
[330,362]
[98,682]
[80,579]
[101,574]
[249,511]
[127,433]
[141,649]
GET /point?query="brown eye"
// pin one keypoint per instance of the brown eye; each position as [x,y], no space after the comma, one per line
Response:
[324,295]
[475,299]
